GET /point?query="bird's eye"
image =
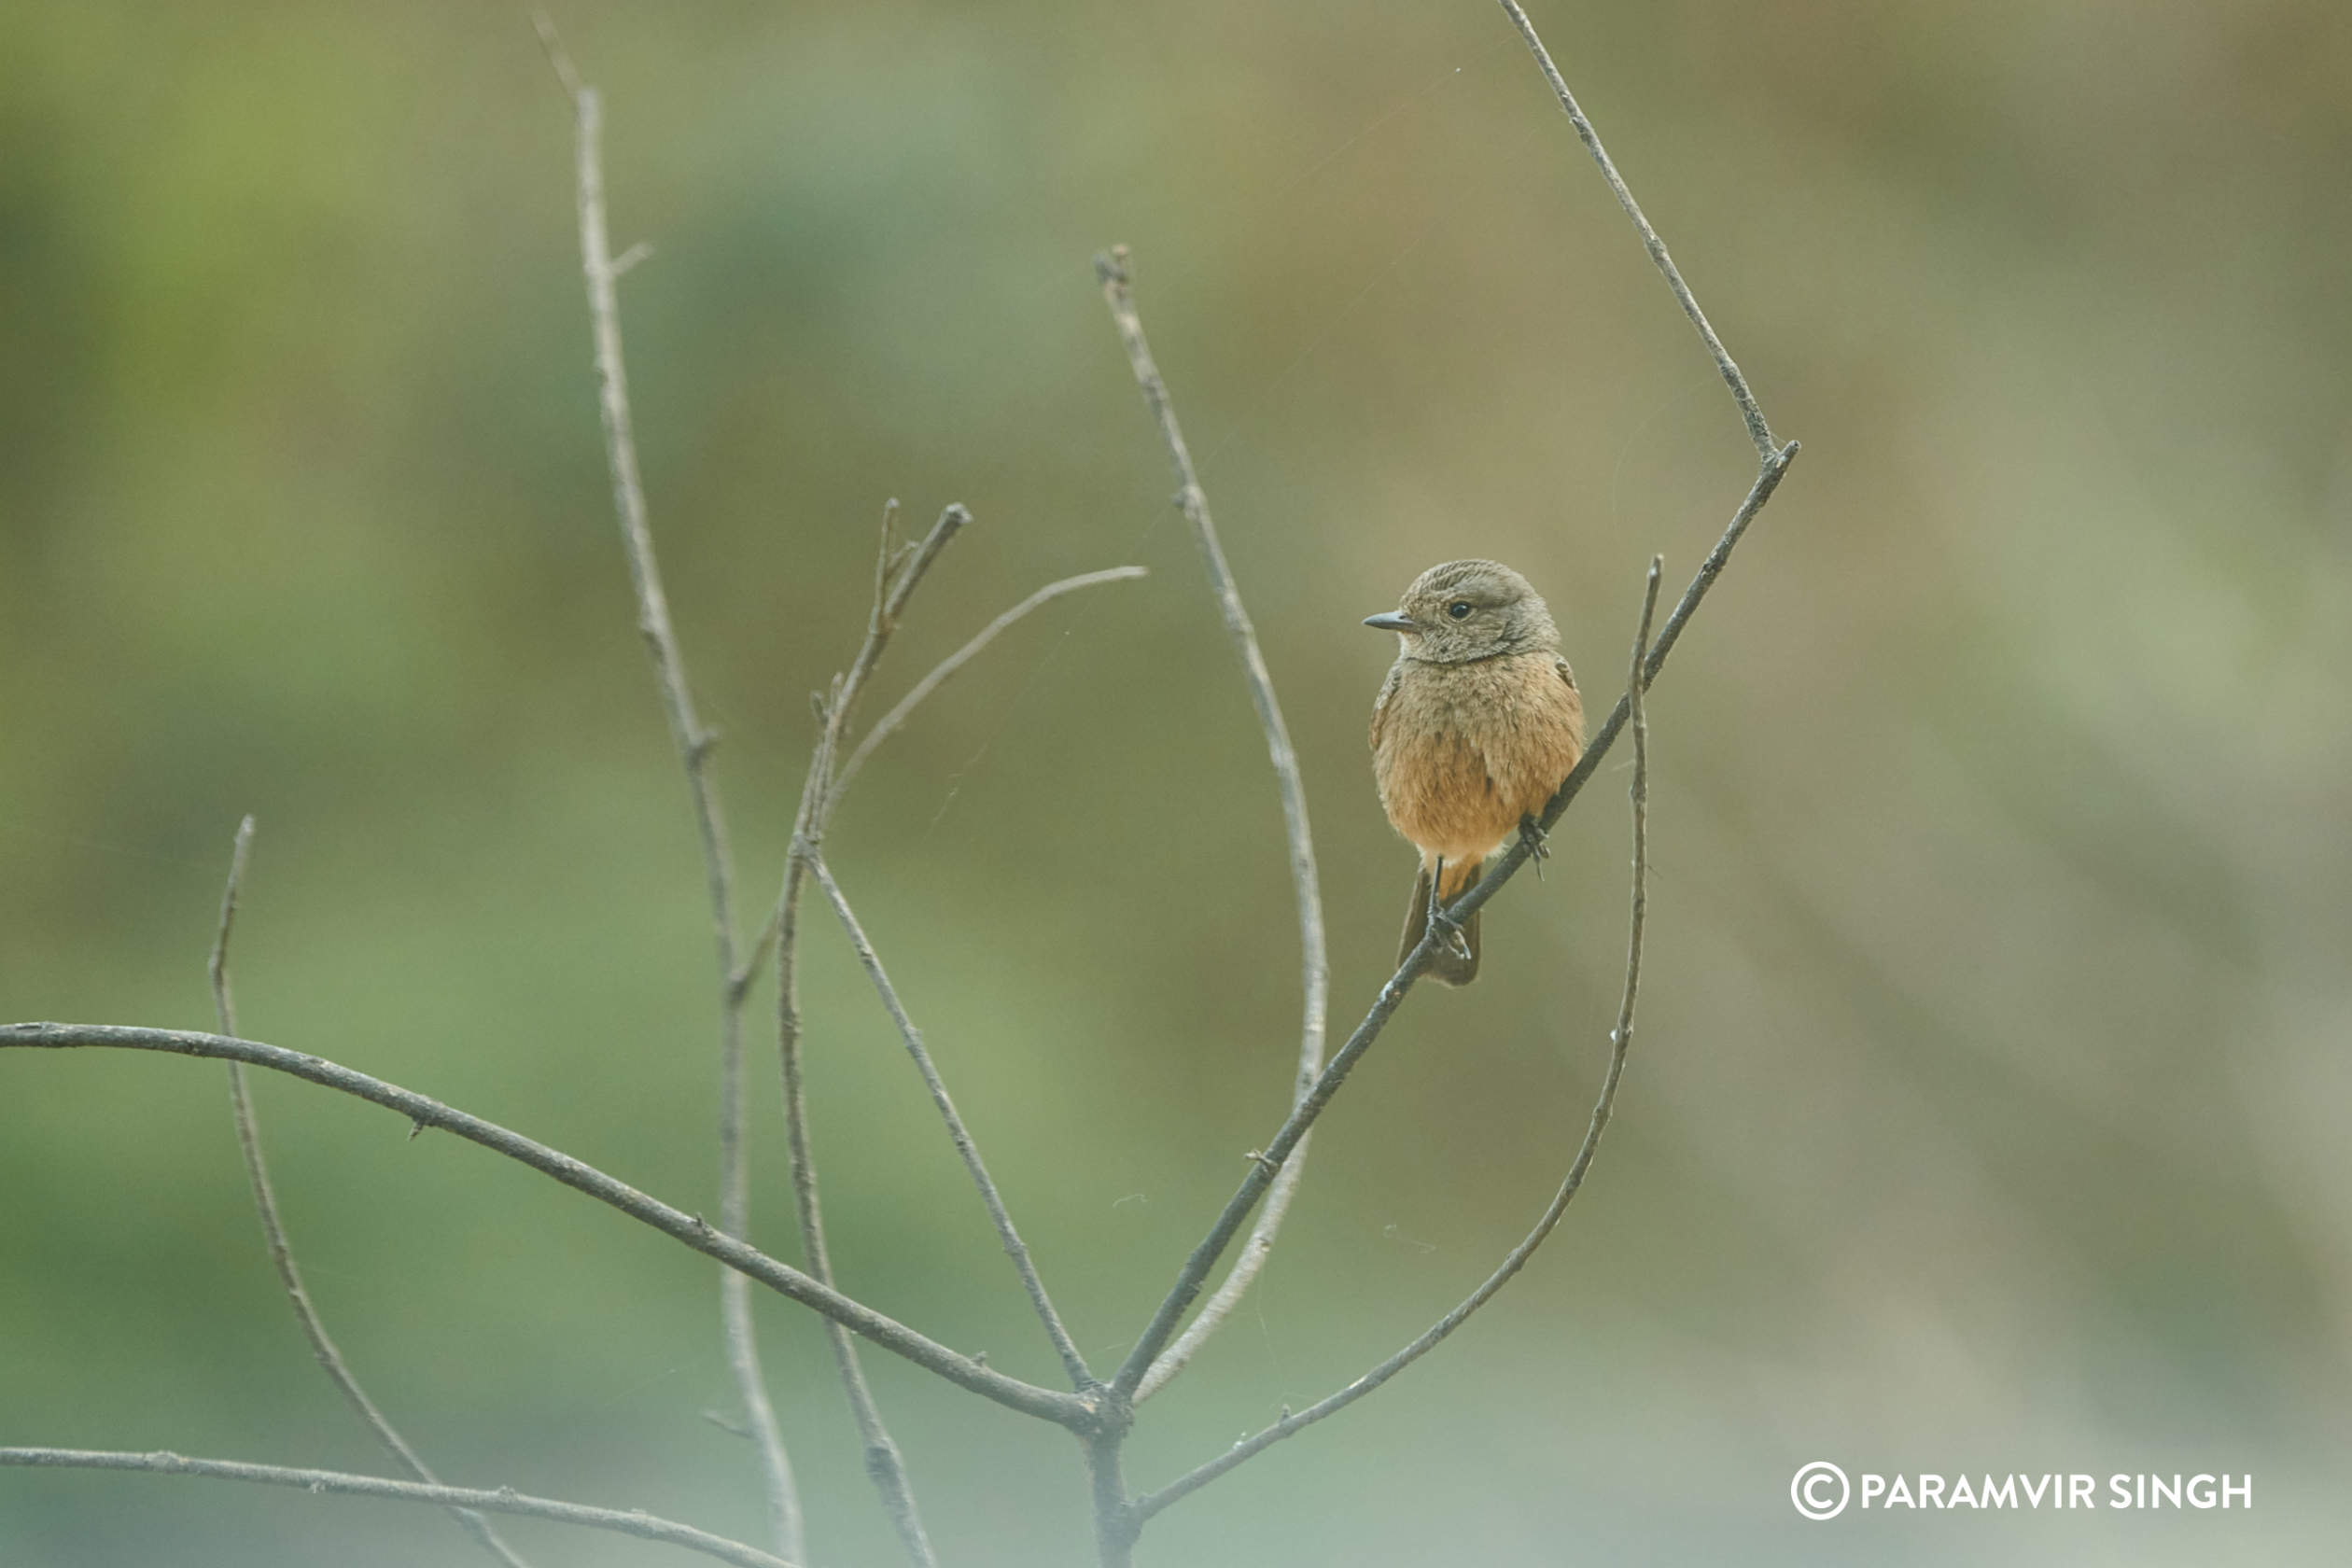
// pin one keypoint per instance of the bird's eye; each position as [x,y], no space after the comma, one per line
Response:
[1459,610]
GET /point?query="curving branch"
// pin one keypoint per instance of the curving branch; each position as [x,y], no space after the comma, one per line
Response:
[336,1483]
[694,743]
[1260,1175]
[897,573]
[890,723]
[1146,1370]
[898,569]
[1773,465]
[1063,1409]
[1014,1248]
[265,1206]
[1620,1041]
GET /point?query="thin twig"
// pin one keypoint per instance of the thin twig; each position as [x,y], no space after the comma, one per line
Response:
[890,723]
[1073,1363]
[265,1206]
[1758,431]
[336,1483]
[896,576]
[694,743]
[1063,1409]
[1145,1369]
[217,967]
[1621,1040]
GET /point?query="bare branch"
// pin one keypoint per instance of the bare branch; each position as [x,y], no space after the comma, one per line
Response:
[890,723]
[1620,1041]
[1758,431]
[1073,1363]
[896,576]
[1773,464]
[335,1483]
[600,270]
[1063,1409]
[265,1206]
[1260,1175]
[224,1002]
[1314,964]
[1516,854]
[1116,1522]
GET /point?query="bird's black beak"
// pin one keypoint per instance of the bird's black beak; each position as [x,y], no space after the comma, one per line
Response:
[1392,621]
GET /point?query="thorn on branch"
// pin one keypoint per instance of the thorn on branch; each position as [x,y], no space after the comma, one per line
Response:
[723,1424]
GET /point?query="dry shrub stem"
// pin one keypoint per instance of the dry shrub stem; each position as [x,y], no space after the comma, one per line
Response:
[890,723]
[1147,1369]
[1014,1248]
[899,570]
[1620,1041]
[1098,1415]
[1758,431]
[694,744]
[426,1113]
[335,1483]
[265,1206]
[895,578]
[1774,461]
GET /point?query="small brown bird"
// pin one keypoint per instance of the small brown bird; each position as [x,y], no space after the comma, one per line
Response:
[1477,723]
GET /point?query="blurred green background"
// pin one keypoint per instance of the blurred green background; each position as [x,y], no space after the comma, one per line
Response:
[1989,1111]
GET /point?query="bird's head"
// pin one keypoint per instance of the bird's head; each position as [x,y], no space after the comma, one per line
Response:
[1465,611]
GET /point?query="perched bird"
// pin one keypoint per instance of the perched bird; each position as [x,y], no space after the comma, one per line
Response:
[1476,725]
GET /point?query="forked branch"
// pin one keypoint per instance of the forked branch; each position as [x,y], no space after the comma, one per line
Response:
[1773,463]
[899,570]
[1014,1248]
[890,723]
[1146,1370]
[265,1205]
[1620,1041]
[601,272]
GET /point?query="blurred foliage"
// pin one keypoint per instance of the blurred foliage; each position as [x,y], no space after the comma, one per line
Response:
[1988,1112]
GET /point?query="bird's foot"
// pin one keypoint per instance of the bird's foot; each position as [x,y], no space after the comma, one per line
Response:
[1448,929]
[1538,842]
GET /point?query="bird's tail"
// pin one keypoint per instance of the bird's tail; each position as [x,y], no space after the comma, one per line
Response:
[1447,967]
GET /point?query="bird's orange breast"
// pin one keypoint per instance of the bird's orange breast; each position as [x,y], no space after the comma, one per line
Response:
[1464,752]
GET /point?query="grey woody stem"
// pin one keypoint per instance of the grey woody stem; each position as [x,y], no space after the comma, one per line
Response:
[601,272]
[1773,463]
[890,723]
[1147,1369]
[1260,1174]
[1014,1248]
[265,1205]
[1758,431]
[897,573]
[1620,1041]
[1063,1409]
[335,1483]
